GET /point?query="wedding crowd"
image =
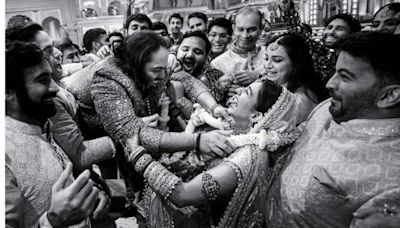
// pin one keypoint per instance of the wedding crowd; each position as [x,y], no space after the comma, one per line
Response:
[224,125]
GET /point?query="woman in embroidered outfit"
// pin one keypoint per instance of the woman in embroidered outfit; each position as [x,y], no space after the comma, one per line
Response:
[240,180]
[288,63]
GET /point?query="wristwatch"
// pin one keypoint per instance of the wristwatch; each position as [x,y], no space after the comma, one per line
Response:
[181,102]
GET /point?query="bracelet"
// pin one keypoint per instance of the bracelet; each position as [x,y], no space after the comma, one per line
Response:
[136,154]
[198,143]
[212,109]
[142,163]
[160,179]
[210,187]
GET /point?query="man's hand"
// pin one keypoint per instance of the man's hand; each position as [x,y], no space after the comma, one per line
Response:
[103,206]
[372,217]
[245,78]
[104,51]
[215,143]
[173,64]
[72,204]
[232,91]
[221,111]
[151,121]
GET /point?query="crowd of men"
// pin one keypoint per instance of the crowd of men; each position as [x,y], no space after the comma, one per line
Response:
[50,180]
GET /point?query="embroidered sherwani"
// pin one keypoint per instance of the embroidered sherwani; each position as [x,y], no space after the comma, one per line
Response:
[110,100]
[335,169]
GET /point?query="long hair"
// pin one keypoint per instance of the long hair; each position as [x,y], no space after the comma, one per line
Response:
[268,95]
[135,51]
[303,73]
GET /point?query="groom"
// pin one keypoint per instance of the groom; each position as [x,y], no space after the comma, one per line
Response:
[348,159]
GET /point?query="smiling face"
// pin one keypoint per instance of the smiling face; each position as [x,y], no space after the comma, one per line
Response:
[45,43]
[219,39]
[385,21]
[265,35]
[353,88]
[247,30]
[175,25]
[155,69]
[36,97]
[197,24]
[336,29]
[242,106]
[278,66]
[192,54]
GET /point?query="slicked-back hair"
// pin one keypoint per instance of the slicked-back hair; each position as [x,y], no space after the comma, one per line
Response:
[20,55]
[92,35]
[379,49]
[175,15]
[199,34]
[135,51]
[202,16]
[351,21]
[222,22]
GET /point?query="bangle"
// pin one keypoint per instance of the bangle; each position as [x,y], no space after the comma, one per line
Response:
[198,143]
[212,109]
[160,179]
[142,163]
[136,154]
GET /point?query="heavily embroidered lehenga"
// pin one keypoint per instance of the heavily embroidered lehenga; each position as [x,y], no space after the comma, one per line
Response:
[246,206]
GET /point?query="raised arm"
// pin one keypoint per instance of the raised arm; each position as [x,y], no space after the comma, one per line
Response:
[68,135]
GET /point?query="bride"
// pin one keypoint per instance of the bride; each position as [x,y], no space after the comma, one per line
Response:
[263,112]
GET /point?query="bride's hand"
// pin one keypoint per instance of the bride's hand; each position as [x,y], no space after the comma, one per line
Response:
[215,143]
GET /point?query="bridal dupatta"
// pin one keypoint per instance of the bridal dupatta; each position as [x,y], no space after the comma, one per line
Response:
[246,207]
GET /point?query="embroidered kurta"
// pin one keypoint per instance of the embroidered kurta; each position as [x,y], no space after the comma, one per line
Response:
[335,169]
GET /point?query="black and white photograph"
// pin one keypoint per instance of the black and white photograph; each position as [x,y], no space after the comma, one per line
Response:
[201,114]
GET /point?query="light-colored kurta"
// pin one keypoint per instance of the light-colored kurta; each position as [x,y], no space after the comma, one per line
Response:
[334,169]
[230,62]
[36,162]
